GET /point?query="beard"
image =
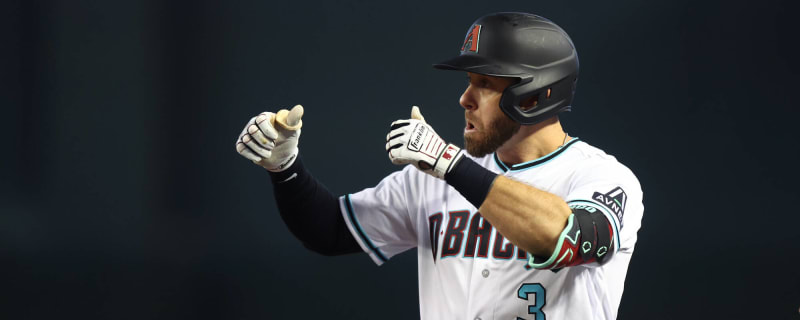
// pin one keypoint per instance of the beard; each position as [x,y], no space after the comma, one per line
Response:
[491,137]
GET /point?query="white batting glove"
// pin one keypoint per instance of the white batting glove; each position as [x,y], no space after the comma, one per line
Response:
[270,139]
[414,141]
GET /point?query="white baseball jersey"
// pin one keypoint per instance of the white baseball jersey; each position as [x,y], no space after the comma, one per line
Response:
[467,270]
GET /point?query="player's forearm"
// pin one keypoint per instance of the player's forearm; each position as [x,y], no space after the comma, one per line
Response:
[528,217]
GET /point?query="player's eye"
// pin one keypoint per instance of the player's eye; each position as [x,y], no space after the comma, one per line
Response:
[479,82]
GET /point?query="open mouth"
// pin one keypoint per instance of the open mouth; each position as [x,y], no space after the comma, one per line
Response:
[469,127]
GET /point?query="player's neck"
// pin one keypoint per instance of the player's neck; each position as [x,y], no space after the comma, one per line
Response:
[533,142]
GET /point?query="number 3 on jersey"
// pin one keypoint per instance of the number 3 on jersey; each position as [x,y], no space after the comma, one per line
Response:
[538,299]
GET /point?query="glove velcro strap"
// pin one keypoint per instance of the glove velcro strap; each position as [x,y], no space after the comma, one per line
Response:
[286,163]
[446,160]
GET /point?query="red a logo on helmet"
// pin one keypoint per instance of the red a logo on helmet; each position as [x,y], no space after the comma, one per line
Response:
[472,40]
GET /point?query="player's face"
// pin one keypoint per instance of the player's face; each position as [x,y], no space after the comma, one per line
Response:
[487,127]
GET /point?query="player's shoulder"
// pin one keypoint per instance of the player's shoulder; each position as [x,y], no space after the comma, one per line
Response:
[408,172]
[591,161]
[401,177]
[590,154]
[413,176]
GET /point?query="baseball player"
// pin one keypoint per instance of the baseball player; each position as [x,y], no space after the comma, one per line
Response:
[524,222]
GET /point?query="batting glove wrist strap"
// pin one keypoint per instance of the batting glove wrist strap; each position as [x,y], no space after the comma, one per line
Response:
[449,157]
[291,174]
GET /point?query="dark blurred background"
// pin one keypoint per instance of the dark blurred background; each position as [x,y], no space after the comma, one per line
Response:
[122,197]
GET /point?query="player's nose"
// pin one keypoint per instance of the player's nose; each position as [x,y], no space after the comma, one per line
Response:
[467,99]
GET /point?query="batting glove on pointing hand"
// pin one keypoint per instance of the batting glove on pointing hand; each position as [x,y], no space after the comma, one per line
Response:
[414,141]
[270,139]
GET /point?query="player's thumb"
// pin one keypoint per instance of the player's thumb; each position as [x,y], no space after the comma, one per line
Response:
[294,116]
[290,120]
[415,114]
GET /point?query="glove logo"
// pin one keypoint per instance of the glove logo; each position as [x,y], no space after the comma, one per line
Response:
[416,137]
[472,40]
[449,153]
[286,163]
[614,200]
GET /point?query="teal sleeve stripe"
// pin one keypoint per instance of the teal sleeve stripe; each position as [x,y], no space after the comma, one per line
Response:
[605,211]
[552,260]
[361,234]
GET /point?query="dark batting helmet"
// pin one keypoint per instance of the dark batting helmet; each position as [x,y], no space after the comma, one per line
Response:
[527,47]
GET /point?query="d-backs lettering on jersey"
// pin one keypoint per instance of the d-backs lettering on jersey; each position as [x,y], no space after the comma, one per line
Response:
[468,236]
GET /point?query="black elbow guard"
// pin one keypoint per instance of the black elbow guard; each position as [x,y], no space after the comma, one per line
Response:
[588,237]
[596,234]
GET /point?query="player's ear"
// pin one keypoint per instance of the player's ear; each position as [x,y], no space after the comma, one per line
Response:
[531,102]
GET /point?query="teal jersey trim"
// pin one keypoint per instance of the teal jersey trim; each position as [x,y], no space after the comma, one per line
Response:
[361,234]
[534,163]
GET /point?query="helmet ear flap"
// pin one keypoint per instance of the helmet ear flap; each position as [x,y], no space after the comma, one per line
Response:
[549,100]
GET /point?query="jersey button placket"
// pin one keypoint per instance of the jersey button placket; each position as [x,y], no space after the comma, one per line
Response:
[485,273]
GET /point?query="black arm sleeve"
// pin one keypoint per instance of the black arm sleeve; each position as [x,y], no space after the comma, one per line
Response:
[311,212]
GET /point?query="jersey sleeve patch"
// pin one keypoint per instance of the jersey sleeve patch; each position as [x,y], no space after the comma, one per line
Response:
[361,237]
[613,200]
